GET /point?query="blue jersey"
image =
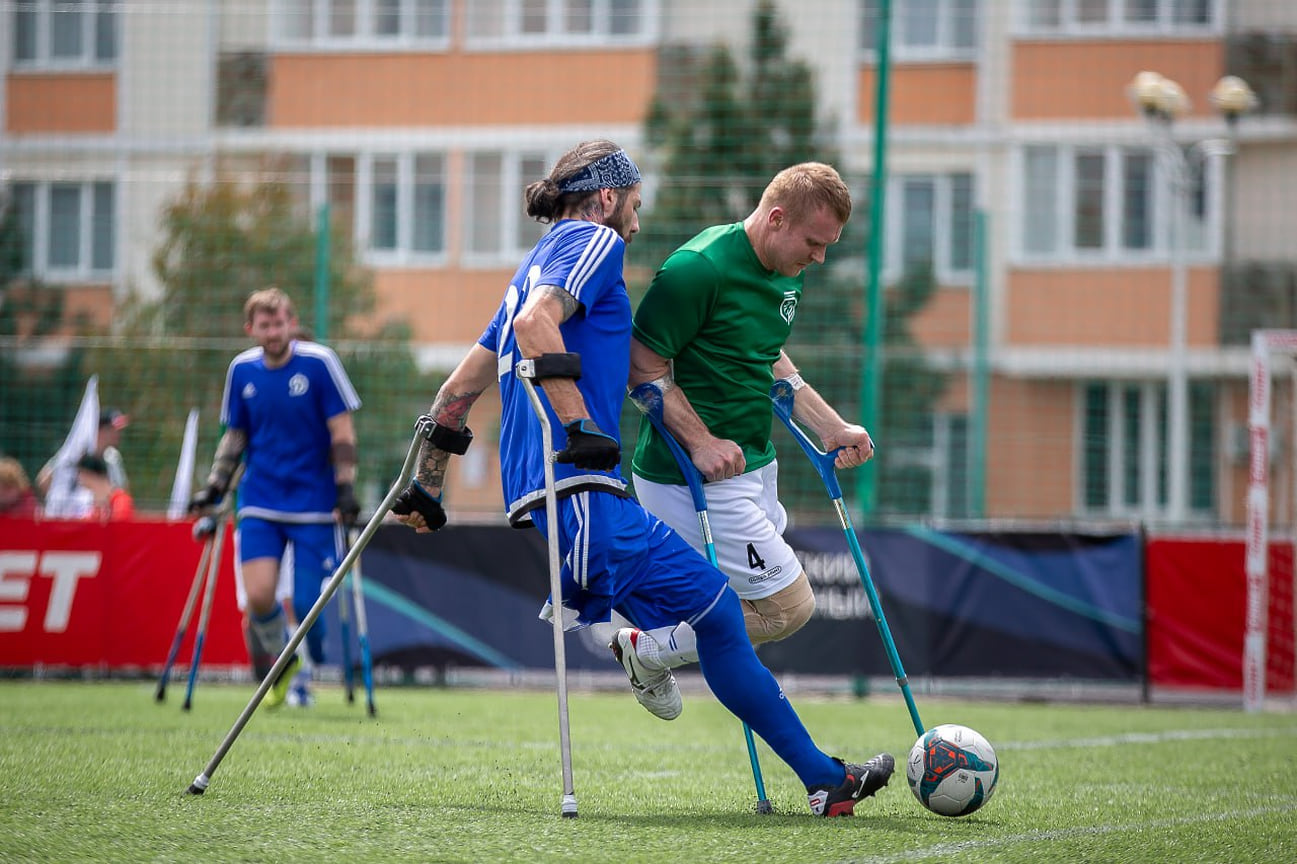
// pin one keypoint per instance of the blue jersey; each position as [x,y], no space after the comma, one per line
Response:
[288,471]
[585,260]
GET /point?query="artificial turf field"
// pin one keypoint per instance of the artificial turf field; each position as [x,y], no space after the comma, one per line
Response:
[96,772]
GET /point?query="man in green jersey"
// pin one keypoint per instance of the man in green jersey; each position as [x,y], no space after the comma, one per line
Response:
[710,334]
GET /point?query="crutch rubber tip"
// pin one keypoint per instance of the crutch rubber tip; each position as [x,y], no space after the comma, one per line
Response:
[569,806]
[373,712]
[765,808]
[199,786]
[160,696]
[185,707]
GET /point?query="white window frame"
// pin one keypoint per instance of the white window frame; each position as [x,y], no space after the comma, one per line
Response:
[84,271]
[1113,253]
[942,239]
[44,60]
[600,35]
[364,38]
[404,255]
[1152,452]
[944,51]
[1116,24]
[510,244]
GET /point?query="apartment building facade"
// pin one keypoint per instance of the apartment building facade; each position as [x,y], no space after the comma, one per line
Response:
[419,121]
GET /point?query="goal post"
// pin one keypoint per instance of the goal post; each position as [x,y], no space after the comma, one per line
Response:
[1265,345]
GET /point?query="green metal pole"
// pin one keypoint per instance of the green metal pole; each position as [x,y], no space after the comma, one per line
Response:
[872,380]
[981,372]
[322,262]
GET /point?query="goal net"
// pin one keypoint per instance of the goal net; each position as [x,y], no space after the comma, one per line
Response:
[1271,630]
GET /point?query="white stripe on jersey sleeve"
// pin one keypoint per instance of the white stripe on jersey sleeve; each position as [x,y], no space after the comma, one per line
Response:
[339,375]
[596,250]
[242,357]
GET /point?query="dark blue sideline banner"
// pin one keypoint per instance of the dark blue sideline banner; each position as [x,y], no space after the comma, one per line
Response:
[958,604]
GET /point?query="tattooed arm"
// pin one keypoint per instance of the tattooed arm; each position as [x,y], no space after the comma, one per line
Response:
[450,409]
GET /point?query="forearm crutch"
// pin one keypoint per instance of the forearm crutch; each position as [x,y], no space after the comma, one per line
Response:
[362,632]
[526,372]
[199,786]
[344,634]
[200,635]
[190,603]
[209,524]
[648,399]
[781,394]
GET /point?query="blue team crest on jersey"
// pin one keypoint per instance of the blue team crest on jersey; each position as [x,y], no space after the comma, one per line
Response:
[249,390]
[298,385]
[788,308]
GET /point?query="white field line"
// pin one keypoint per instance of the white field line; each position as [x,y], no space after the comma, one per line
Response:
[944,851]
[1144,738]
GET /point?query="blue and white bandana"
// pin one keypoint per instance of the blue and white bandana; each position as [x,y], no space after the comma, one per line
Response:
[614,171]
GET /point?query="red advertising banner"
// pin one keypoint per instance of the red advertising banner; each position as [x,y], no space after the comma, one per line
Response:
[1197,606]
[86,594]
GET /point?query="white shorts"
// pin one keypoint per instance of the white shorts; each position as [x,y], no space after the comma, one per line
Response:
[747,523]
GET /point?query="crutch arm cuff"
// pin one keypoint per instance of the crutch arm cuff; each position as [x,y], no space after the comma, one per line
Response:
[451,440]
[557,365]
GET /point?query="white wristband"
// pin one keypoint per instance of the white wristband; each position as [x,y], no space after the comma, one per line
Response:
[795,381]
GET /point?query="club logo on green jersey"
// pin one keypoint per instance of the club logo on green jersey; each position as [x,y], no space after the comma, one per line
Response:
[788,308]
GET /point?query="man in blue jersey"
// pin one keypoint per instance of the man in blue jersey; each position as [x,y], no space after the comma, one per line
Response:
[287,416]
[568,303]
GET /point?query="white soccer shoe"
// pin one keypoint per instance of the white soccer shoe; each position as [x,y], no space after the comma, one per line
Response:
[653,685]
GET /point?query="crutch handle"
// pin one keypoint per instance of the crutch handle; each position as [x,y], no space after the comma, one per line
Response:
[781,394]
[648,399]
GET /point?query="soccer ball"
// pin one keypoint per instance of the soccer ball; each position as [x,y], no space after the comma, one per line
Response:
[952,770]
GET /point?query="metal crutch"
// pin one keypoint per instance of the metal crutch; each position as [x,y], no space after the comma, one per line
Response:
[526,372]
[201,782]
[648,399]
[781,393]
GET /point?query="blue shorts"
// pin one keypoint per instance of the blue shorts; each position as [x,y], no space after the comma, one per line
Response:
[317,549]
[617,555]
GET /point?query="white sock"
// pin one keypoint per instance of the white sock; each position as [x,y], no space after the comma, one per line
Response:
[670,647]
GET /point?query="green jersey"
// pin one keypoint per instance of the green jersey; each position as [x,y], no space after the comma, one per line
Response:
[723,318]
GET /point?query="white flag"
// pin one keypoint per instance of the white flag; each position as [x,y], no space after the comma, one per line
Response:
[182,486]
[66,498]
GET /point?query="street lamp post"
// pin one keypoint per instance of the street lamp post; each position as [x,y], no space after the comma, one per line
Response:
[1162,101]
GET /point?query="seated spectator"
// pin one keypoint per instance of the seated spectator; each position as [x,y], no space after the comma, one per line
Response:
[16,496]
[111,503]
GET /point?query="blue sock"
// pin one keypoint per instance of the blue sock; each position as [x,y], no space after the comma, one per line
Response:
[744,686]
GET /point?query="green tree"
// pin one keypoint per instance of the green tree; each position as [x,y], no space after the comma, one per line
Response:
[221,241]
[717,132]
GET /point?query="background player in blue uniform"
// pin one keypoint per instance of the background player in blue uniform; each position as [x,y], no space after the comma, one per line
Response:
[287,415]
[569,296]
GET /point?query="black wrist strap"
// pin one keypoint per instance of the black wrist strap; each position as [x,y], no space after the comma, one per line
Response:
[454,441]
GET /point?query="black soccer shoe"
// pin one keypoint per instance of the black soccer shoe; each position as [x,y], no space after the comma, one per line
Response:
[862,782]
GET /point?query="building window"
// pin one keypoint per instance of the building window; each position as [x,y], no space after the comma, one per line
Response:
[364,24]
[405,197]
[558,22]
[933,219]
[924,29]
[68,229]
[1109,204]
[1116,16]
[499,228]
[1124,448]
[393,205]
[64,33]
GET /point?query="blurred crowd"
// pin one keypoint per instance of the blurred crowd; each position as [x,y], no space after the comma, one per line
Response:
[97,486]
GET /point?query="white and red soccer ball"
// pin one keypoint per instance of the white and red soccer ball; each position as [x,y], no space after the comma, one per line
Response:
[952,770]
